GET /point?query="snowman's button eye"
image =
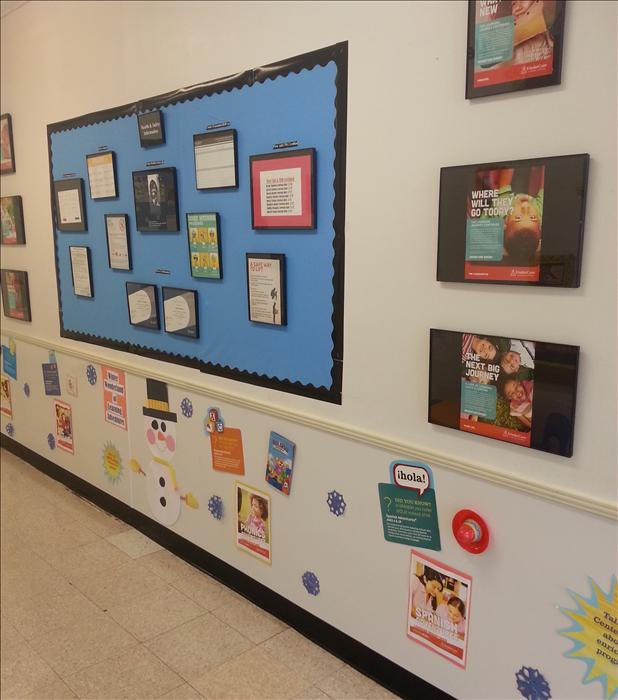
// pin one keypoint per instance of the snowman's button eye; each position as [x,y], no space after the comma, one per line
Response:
[163,427]
[162,501]
[154,425]
[161,481]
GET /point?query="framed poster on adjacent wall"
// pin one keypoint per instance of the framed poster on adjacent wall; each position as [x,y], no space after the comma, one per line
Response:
[7,152]
[12,221]
[15,294]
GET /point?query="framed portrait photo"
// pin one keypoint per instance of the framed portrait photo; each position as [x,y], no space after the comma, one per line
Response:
[81,271]
[142,305]
[69,200]
[151,129]
[156,200]
[118,249]
[102,175]
[513,45]
[7,153]
[266,289]
[180,312]
[204,245]
[215,160]
[15,294]
[12,221]
[283,190]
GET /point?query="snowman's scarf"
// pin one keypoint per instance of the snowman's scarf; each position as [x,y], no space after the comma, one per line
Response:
[170,469]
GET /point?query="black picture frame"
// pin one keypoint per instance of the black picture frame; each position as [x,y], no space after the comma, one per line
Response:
[190,331]
[60,186]
[152,322]
[125,218]
[212,138]
[281,294]
[12,209]
[7,165]
[304,221]
[161,216]
[194,247]
[88,262]
[558,257]
[151,129]
[89,158]
[8,279]
[554,25]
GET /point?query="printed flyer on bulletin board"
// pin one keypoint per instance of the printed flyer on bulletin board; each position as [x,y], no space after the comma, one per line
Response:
[439,608]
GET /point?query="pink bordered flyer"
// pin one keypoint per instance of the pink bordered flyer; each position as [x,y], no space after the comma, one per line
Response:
[283,190]
[439,608]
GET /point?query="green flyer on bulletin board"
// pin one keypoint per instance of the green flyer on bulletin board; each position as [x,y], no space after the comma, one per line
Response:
[408,505]
[204,245]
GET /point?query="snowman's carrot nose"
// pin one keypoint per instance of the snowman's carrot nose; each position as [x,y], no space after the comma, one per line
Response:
[160,435]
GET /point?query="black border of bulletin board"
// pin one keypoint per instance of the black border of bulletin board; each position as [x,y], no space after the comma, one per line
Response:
[337,53]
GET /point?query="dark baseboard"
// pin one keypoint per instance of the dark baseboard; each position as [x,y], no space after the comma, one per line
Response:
[365,660]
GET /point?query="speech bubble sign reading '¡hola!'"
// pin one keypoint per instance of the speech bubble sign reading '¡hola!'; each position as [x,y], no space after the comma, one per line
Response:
[411,476]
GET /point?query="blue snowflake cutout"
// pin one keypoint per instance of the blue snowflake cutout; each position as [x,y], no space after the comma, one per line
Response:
[336,503]
[10,429]
[531,684]
[91,374]
[215,506]
[51,441]
[27,390]
[186,407]
[311,583]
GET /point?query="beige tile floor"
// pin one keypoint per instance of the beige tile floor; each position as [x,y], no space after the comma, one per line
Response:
[91,608]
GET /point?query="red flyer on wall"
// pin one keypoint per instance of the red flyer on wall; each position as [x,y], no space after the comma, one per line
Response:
[64,427]
[114,397]
[439,608]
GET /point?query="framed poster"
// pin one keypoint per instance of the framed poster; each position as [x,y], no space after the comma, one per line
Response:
[69,200]
[266,289]
[150,128]
[142,305]
[15,294]
[513,45]
[102,175]
[81,271]
[117,233]
[214,155]
[156,201]
[12,221]
[253,531]
[283,190]
[204,245]
[180,311]
[439,607]
[7,153]
[64,426]
[513,222]
[510,389]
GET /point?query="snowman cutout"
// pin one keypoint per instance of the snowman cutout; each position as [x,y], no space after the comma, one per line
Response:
[162,488]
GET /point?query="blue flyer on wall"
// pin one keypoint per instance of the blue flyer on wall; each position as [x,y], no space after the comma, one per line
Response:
[9,359]
[51,379]
[280,462]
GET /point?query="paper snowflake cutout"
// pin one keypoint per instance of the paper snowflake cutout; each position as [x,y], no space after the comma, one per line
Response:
[51,441]
[311,583]
[27,389]
[10,429]
[336,503]
[186,407]
[91,374]
[531,684]
[215,506]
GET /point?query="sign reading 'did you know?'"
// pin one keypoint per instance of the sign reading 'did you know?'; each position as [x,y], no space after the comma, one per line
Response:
[408,505]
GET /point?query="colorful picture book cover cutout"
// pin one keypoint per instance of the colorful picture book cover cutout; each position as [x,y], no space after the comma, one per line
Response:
[64,427]
[204,245]
[504,224]
[280,462]
[513,41]
[225,444]
[114,397]
[9,359]
[5,397]
[408,505]
[439,608]
[253,522]
[497,387]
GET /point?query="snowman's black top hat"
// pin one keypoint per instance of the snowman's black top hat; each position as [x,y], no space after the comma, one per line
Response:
[157,403]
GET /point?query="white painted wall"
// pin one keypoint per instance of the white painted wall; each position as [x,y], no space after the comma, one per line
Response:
[407,117]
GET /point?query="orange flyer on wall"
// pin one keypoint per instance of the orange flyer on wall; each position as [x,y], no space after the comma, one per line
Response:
[114,397]
[226,450]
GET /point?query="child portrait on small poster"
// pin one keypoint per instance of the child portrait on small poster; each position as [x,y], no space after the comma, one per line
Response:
[253,522]
[504,223]
[497,387]
[64,426]
[439,608]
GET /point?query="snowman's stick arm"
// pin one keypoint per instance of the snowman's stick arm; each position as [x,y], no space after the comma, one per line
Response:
[136,467]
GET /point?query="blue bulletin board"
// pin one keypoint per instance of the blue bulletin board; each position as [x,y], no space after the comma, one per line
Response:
[300,101]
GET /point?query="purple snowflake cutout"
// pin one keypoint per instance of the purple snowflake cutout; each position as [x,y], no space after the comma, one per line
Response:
[336,503]
[9,429]
[186,406]
[27,390]
[215,506]
[51,441]
[311,583]
[91,374]
[531,684]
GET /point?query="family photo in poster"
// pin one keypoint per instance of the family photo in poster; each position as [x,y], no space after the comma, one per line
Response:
[439,608]
[64,426]
[12,217]
[253,522]
[15,294]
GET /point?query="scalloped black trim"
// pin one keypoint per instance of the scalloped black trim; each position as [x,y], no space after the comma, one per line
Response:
[337,53]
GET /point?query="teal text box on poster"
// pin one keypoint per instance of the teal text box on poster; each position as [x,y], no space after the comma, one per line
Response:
[408,518]
[479,399]
[494,41]
[484,239]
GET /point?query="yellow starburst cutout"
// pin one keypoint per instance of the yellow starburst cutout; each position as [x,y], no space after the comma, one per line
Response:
[595,633]
[112,463]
